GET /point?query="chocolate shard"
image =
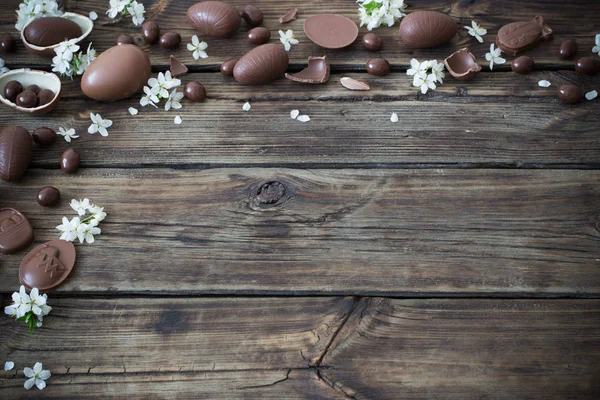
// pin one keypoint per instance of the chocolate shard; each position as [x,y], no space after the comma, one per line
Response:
[518,36]
[353,84]
[177,67]
[48,265]
[462,65]
[16,233]
[289,16]
[316,72]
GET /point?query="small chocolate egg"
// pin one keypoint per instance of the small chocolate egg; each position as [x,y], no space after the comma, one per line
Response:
[34,88]
[7,43]
[570,94]
[44,136]
[12,90]
[150,32]
[378,67]
[49,196]
[227,66]
[27,99]
[259,35]
[588,65]
[45,96]
[523,65]
[372,42]
[252,15]
[261,65]
[567,49]
[123,39]
[170,40]
[70,161]
[195,92]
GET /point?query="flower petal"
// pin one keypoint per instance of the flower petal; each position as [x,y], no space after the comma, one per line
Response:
[29,383]
[294,114]
[28,372]
[591,95]
[303,118]
[40,383]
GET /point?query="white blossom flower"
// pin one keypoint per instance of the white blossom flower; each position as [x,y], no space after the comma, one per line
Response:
[84,60]
[86,232]
[416,67]
[596,48]
[66,49]
[137,11]
[374,13]
[437,70]
[162,84]
[80,206]
[303,118]
[38,303]
[37,376]
[287,39]
[116,7]
[591,95]
[544,84]
[99,124]
[61,65]
[149,99]
[9,365]
[197,48]
[93,15]
[3,69]
[21,304]
[174,100]
[67,134]
[69,228]
[246,106]
[494,56]
[476,31]
[32,9]
[424,81]
[177,120]
[394,117]
[294,114]
[98,215]
[133,111]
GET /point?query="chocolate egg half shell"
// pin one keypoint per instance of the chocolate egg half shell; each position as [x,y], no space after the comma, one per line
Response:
[261,65]
[116,74]
[427,29]
[214,18]
[55,30]
[15,152]
[28,77]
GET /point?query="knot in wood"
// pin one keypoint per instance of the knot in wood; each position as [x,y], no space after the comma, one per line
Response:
[270,192]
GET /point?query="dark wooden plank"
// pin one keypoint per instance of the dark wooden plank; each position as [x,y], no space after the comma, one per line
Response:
[575,21]
[398,232]
[468,349]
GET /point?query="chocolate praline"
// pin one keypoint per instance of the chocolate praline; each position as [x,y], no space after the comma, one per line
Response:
[27,99]
[372,42]
[252,15]
[70,161]
[523,65]
[570,94]
[7,43]
[378,67]
[258,35]
[12,90]
[48,265]
[567,49]
[588,65]
[34,88]
[227,66]
[44,136]
[49,196]
[195,91]
[170,40]
[45,96]
[150,32]
[123,39]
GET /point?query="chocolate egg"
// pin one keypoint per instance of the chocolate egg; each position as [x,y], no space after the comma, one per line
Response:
[170,40]
[27,99]
[150,32]
[519,36]
[588,65]
[378,66]
[372,42]
[523,65]
[116,74]
[570,94]
[427,29]
[194,91]
[15,152]
[252,15]
[259,35]
[16,233]
[12,90]
[261,65]
[49,196]
[48,265]
[567,49]
[227,66]
[70,161]
[44,136]
[48,31]
[7,43]
[214,18]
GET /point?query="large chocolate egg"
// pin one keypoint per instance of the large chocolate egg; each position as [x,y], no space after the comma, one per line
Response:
[51,30]
[214,18]
[261,65]
[427,29]
[116,74]
[15,152]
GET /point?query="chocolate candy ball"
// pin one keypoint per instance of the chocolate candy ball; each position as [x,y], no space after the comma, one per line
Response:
[378,67]
[170,40]
[227,66]
[372,42]
[150,32]
[34,88]
[252,15]
[7,43]
[195,91]
[70,161]
[523,65]
[49,196]
[27,99]
[45,96]
[588,65]
[258,35]
[44,136]
[12,90]
[570,94]
[123,39]
[567,49]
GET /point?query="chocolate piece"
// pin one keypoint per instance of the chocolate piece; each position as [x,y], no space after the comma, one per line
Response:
[44,136]
[49,31]
[518,36]
[261,65]
[378,66]
[570,94]
[170,40]
[150,32]
[70,161]
[177,68]
[45,97]
[427,29]
[588,65]
[48,265]
[316,72]
[372,42]
[567,49]
[288,16]
[523,65]
[123,39]
[259,35]
[34,88]
[214,18]
[15,152]
[49,196]
[252,15]
[27,99]
[7,43]
[227,66]
[331,31]
[353,84]
[12,90]
[462,65]
[16,233]
[194,91]
[116,74]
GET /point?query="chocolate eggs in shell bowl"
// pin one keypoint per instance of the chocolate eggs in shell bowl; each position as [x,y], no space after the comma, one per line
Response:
[27,77]
[84,23]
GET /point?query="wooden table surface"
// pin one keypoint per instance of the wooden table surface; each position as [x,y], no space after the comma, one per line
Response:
[455,254]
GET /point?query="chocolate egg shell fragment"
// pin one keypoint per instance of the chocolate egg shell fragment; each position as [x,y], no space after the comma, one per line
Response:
[44,136]
[170,40]
[116,74]
[567,49]
[49,196]
[378,66]
[353,84]
[462,65]
[427,29]
[48,265]
[42,82]
[12,90]
[317,71]
[261,65]
[331,31]
[123,39]
[214,18]
[177,67]
[523,65]
[372,42]
[150,32]
[518,36]
[288,16]
[70,161]
[16,233]
[252,15]
[227,66]
[259,35]
[194,91]
[570,94]
[588,65]
[15,152]
[47,31]
[7,43]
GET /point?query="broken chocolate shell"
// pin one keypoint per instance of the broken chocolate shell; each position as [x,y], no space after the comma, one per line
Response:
[177,67]
[353,84]
[214,18]
[462,65]
[518,36]
[427,29]
[261,65]
[27,77]
[85,24]
[288,16]
[316,72]
[47,265]
[16,233]
[15,152]
[331,31]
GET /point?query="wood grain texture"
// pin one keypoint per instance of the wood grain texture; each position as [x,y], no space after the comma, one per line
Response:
[467,349]
[575,21]
[398,232]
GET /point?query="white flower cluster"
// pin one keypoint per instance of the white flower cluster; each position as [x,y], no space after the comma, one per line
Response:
[596,48]
[68,62]
[82,229]
[126,8]
[158,89]
[3,69]
[374,13]
[32,9]
[426,74]
[30,308]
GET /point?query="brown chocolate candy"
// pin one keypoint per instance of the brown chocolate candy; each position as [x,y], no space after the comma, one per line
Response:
[12,90]
[15,152]
[150,32]
[567,49]
[45,97]
[34,88]
[288,16]
[462,65]
[259,35]
[372,42]
[588,65]
[48,31]
[570,94]
[261,65]
[177,67]
[378,66]
[214,18]
[7,43]
[331,31]
[27,99]
[194,91]
[16,233]
[49,196]
[523,65]
[170,40]
[227,66]
[70,161]
[123,39]
[518,36]
[252,15]
[44,136]
[427,29]
[318,71]
[48,265]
